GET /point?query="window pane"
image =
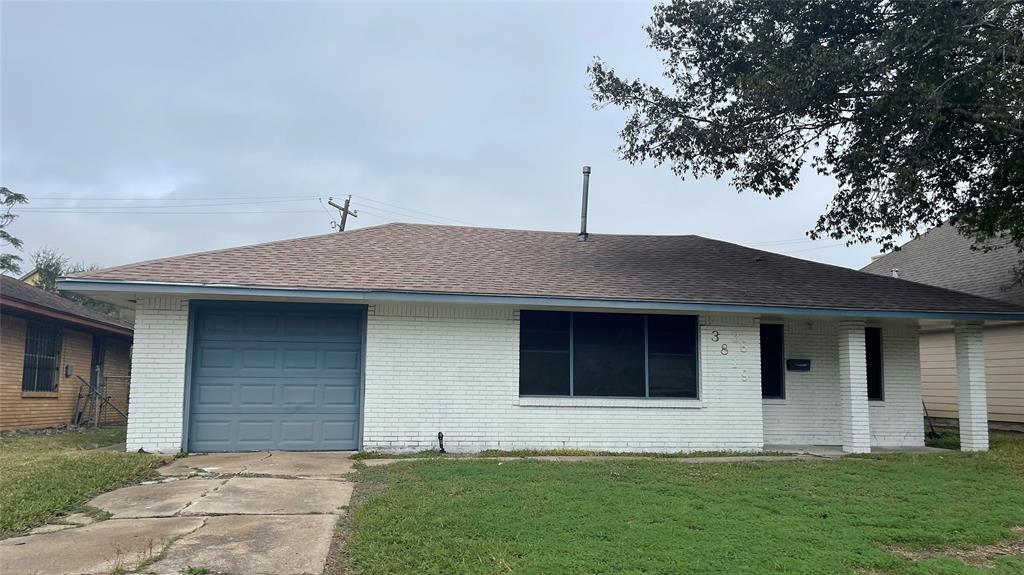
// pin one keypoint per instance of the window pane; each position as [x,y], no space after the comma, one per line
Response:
[42,358]
[543,353]
[608,355]
[672,355]
[873,352]
[543,373]
[773,362]
[544,330]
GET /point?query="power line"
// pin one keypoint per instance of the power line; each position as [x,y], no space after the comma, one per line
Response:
[373,201]
[143,198]
[836,245]
[401,215]
[166,213]
[402,212]
[174,206]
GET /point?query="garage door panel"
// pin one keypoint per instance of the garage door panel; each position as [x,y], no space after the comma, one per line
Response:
[265,359]
[214,395]
[285,327]
[341,359]
[260,395]
[255,432]
[341,395]
[298,431]
[238,392]
[339,431]
[276,377]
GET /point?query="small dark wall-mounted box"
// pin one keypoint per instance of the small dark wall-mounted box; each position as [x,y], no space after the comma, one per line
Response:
[798,365]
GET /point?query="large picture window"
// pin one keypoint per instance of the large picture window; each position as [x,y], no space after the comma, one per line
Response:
[42,357]
[607,355]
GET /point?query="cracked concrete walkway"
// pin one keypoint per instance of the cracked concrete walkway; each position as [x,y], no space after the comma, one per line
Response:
[238,513]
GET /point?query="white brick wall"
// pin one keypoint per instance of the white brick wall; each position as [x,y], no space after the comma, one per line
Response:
[970,381]
[811,412]
[156,397]
[899,420]
[456,369]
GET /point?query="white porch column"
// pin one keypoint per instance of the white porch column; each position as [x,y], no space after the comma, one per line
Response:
[853,388]
[970,384]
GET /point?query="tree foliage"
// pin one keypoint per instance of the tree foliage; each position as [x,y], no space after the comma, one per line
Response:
[916,108]
[9,262]
[51,265]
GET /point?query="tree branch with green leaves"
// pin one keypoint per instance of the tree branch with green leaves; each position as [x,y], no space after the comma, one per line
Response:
[915,108]
[9,262]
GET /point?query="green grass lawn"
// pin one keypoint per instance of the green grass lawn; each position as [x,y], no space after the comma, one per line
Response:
[42,476]
[661,516]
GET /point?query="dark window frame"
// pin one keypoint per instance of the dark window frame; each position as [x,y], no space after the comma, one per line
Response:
[48,347]
[781,367]
[696,355]
[870,342]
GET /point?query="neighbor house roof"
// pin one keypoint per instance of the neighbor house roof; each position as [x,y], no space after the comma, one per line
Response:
[429,259]
[18,295]
[942,257]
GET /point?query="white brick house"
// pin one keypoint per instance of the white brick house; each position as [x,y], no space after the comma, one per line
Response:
[384,337]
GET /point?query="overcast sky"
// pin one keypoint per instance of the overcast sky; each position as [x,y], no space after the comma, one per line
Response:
[445,113]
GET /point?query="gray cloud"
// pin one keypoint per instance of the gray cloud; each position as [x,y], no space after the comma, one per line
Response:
[476,112]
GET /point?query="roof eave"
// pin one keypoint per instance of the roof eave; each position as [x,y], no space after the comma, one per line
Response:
[200,291]
[64,317]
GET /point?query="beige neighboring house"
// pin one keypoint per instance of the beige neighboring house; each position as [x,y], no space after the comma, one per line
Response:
[944,258]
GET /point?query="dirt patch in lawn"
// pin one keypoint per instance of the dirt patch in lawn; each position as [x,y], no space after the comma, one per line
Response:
[338,561]
[981,556]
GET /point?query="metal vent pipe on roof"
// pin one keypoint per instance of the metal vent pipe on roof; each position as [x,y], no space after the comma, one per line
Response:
[583,212]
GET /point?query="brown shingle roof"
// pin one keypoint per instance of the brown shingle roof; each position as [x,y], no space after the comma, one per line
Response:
[465,260]
[15,289]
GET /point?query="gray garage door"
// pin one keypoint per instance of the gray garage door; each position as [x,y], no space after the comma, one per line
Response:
[275,376]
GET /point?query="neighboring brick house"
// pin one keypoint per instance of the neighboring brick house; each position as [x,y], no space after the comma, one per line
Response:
[942,257]
[384,337]
[47,343]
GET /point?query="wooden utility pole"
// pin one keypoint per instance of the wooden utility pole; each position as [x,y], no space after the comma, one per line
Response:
[344,211]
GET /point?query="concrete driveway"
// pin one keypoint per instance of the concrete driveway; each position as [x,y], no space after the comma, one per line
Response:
[239,513]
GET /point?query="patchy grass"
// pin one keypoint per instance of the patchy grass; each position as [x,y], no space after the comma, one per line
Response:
[402,455]
[587,453]
[651,516]
[433,453]
[46,475]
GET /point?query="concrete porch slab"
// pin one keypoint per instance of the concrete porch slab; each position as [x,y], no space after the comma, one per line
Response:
[97,548]
[834,451]
[830,451]
[271,496]
[257,545]
[154,500]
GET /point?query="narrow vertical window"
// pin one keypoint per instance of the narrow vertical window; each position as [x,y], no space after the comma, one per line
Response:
[773,362]
[672,355]
[42,357]
[544,353]
[873,353]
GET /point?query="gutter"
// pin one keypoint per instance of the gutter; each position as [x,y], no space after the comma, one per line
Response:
[200,291]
